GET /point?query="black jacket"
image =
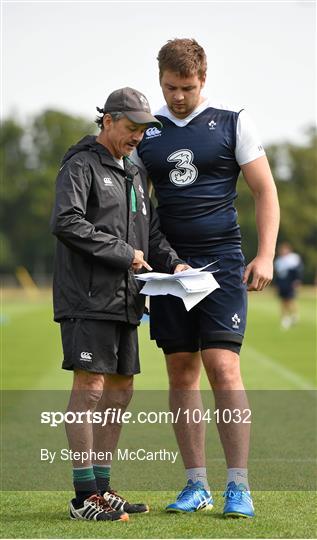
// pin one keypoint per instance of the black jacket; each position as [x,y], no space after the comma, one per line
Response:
[99,222]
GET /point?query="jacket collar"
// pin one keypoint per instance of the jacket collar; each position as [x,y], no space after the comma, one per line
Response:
[130,168]
[106,158]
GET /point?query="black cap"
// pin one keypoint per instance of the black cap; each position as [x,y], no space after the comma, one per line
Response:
[133,104]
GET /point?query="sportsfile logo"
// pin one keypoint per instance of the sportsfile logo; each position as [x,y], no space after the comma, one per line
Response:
[86,356]
[152,132]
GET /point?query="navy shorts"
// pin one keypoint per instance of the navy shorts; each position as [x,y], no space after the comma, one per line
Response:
[100,346]
[218,321]
[287,292]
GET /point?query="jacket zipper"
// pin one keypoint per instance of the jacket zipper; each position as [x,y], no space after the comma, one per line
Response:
[129,185]
[129,189]
[90,280]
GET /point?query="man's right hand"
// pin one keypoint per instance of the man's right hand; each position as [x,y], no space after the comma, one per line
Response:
[139,262]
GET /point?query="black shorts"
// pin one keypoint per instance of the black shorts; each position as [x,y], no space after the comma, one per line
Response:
[100,346]
[218,321]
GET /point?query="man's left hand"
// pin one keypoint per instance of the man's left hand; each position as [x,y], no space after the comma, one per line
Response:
[260,269]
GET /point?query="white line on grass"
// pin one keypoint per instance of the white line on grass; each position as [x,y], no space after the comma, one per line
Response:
[286,373]
[273,460]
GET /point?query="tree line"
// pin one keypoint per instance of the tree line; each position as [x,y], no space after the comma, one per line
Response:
[30,156]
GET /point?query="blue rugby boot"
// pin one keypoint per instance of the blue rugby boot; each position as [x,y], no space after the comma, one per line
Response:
[194,497]
[238,501]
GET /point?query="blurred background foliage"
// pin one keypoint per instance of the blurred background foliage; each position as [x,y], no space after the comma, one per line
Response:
[30,155]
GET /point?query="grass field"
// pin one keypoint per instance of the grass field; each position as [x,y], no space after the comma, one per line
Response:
[271,359]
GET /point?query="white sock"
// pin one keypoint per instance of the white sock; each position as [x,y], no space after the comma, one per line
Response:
[198,474]
[238,476]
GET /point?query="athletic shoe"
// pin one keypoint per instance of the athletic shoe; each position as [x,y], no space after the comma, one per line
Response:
[286,322]
[95,508]
[194,497]
[238,501]
[118,503]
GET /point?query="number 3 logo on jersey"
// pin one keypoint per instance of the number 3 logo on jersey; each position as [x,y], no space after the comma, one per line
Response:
[185,172]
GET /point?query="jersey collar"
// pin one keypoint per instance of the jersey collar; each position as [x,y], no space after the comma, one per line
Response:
[181,122]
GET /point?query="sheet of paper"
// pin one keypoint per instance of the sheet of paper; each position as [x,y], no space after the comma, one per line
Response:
[191,288]
[193,299]
[154,288]
[200,282]
[158,275]
[192,271]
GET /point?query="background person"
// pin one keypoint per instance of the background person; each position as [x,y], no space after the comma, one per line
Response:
[106,229]
[194,162]
[288,271]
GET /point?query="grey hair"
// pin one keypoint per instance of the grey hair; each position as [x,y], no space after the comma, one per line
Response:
[114,115]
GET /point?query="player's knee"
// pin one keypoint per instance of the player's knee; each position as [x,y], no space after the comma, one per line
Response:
[87,388]
[84,380]
[184,384]
[224,377]
[118,382]
[186,379]
[118,390]
[118,399]
[184,371]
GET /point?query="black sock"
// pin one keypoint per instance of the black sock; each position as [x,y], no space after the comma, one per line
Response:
[103,484]
[84,490]
[102,475]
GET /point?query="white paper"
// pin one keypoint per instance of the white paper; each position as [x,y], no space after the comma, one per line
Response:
[197,283]
[191,286]
[149,276]
[192,271]
[193,299]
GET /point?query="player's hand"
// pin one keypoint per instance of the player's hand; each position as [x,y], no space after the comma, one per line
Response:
[138,262]
[181,268]
[260,272]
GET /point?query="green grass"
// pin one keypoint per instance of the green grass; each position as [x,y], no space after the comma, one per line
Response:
[43,515]
[271,359]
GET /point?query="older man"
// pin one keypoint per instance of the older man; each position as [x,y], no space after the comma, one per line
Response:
[106,229]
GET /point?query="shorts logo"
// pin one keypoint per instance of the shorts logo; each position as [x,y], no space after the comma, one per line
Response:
[86,356]
[152,132]
[143,209]
[236,321]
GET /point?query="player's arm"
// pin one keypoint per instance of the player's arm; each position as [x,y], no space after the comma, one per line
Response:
[257,174]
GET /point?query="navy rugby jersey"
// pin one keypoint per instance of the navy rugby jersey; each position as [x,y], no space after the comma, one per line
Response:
[288,269]
[194,164]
